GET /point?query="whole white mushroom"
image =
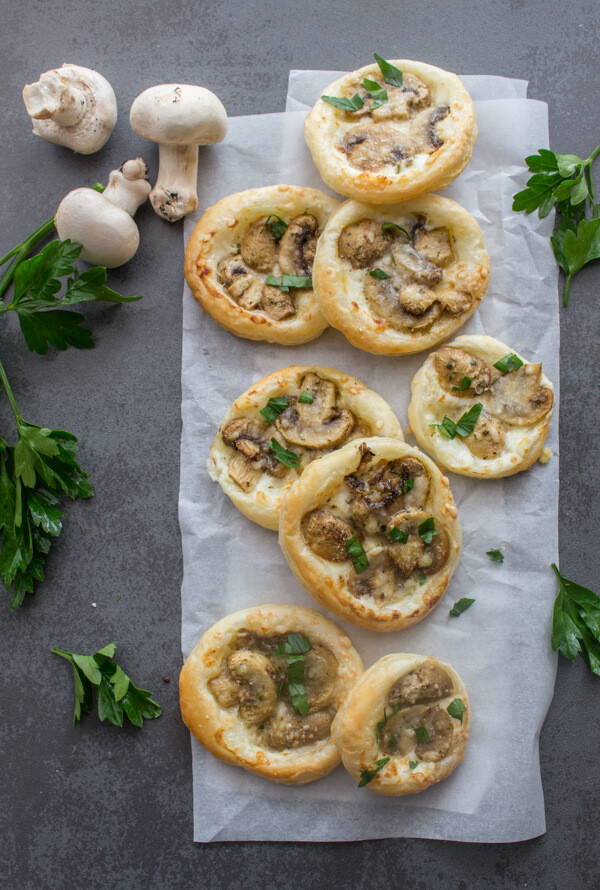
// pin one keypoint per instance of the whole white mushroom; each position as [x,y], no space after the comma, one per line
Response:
[180,117]
[72,106]
[103,222]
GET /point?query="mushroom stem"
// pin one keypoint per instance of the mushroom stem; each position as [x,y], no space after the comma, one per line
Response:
[52,98]
[177,164]
[128,186]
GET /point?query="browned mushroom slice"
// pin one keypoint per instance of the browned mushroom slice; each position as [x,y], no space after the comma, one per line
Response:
[415,554]
[266,644]
[418,267]
[440,731]
[373,145]
[320,672]
[454,300]
[289,730]
[405,306]
[487,439]
[243,472]
[298,246]
[423,128]
[434,245]
[378,580]
[255,676]
[425,684]
[259,247]
[453,365]
[518,397]
[364,242]
[241,283]
[384,488]
[418,92]
[225,689]
[319,424]
[276,303]
[397,107]
[398,734]
[326,534]
[250,436]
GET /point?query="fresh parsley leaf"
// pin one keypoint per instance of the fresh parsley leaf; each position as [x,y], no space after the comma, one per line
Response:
[447,427]
[456,709]
[294,651]
[117,696]
[305,398]
[391,74]
[576,623]
[466,424]
[392,225]
[284,455]
[460,606]
[463,385]
[393,741]
[274,407]
[377,93]
[379,273]
[421,734]
[575,249]
[353,104]
[278,226]
[288,281]
[357,554]
[381,723]
[413,764]
[367,775]
[396,534]
[296,645]
[495,555]
[422,580]
[427,530]
[508,363]
[408,485]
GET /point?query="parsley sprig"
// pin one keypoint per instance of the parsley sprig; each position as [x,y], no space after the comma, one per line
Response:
[461,606]
[463,427]
[116,694]
[576,623]
[294,651]
[367,775]
[288,281]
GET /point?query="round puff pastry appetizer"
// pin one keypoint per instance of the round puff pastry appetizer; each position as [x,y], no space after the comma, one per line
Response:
[405,724]
[249,262]
[481,409]
[262,686]
[281,424]
[392,131]
[402,278]
[371,531]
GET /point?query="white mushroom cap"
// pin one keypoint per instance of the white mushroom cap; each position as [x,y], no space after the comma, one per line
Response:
[179,114]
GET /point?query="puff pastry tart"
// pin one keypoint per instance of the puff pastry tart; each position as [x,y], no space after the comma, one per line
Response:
[262,686]
[282,423]
[405,724]
[387,138]
[402,278]
[249,262]
[371,531]
[481,409]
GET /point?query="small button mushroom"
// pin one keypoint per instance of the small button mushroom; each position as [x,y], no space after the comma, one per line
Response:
[425,684]
[453,365]
[487,439]
[72,106]
[179,117]
[289,730]
[319,424]
[371,146]
[103,223]
[364,242]
[258,690]
[298,246]
[326,534]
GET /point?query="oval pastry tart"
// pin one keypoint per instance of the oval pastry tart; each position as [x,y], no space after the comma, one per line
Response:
[371,531]
[481,409]
[276,428]
[400,279]
[391,131]
[249,261]
[405,724]
[262,686]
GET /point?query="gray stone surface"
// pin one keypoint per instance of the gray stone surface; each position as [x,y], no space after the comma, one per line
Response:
[107,808]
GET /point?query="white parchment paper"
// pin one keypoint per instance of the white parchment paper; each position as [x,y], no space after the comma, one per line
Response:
[501,646]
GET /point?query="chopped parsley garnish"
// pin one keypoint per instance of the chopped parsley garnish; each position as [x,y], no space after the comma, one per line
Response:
[367,775]
[461,606]
[413,764]
[576,623]
[508,363]
[357,554]
[288,281]
[353,104]
[427,530]
[274,408]
[294,651]
[463,385]
[409,485]
[284,455]
[422,579]
[463,427]
[380,725]
[397,534]
[393,741]
[391,74]
[278,226]
[379,273]
[421,734]
[377,93]
[495,555]
[392,225]
[456,709]
[305,398]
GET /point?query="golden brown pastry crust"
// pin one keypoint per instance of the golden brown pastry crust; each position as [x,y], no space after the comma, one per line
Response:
[355,724]
[223,732]
[341,288]
[262,504]
[325,127]
[217,236]
[327,581]
[430,402]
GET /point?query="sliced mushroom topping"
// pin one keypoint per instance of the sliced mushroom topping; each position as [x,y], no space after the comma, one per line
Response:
[298,246]
[259,247]
[276,303]
[326,534]
[320,672]
[289,730]
[418,91]
[487,439]
[440,730]
[454,300]
[423,128]
[400,302]
[416,554]
[257,688]
[250,436]
[373,145]
[225,689]
[453,365]
[378,581]
[398,105]
[364,242]
[381,491]
[434,245]
[518,397]
[243,472]
[241,283]
[418,267]
[319,424]
[427,683]
[267,644]
[417,299]
[398,734]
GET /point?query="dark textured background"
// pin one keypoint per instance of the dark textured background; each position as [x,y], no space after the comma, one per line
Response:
[106,808]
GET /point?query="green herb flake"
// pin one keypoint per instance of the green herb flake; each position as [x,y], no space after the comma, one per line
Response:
[421,734]
[367,775]
[288,281]
[427,530]
[391,74]
[274,407]
[461,606]
[466,424]
[278,226]
[508,363]
[357,554]
[380,725]
[294,651]
[576,623]
[456,709]
[377,93]
[284,455]
[495,555]
[386,226]
[353,104]
[305,398]
[379,273]
[408,485]
[446,428]
[413,764]
[422,580]
[396,534]
[463,385]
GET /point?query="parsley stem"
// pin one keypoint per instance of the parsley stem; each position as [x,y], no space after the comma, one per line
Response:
[9,395]
[568,281]
[21,251]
